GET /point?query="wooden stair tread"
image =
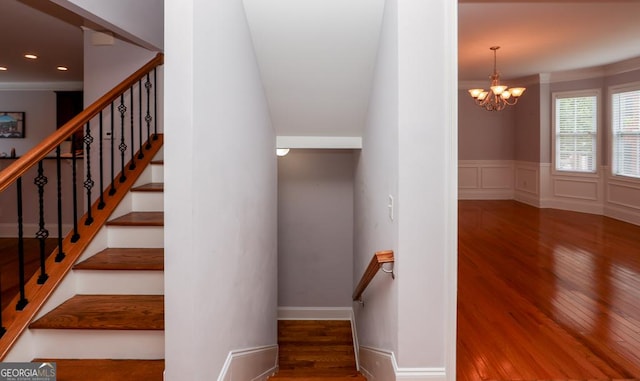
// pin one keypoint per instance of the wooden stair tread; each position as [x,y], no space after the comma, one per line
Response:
[318,375]
[150,187]
[316,350]
[125,259]
[107,370]
[113,312]
[139,219]
[157,162]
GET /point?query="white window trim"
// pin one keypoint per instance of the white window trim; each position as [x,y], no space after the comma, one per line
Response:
[598,152]
[631,86]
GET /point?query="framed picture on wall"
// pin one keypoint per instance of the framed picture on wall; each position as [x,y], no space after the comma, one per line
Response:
[11,124]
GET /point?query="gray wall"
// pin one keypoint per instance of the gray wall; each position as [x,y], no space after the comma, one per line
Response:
[484,135]
[526,126]
[315,228]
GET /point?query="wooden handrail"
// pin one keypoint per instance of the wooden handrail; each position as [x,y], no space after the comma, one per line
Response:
[379,258]
[42,149]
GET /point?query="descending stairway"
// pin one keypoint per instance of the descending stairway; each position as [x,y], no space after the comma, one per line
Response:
[112,326]
[316,350]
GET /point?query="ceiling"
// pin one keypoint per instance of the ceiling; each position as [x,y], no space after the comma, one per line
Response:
[26,30]
[545,36]
[317,57]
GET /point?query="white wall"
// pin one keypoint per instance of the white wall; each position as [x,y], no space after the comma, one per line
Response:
[315,228]
[220,192]
[377,179]
[141,21]
[40,122]
[415,163]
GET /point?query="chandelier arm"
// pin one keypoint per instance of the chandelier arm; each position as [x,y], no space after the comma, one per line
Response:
[515,100]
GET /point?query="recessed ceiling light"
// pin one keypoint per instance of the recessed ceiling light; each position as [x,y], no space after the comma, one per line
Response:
[30,56]
[2,68]
[62,68]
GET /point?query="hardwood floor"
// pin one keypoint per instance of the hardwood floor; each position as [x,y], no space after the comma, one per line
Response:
[546,294]
[9,263]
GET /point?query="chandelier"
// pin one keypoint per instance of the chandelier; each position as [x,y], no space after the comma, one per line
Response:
[499,96]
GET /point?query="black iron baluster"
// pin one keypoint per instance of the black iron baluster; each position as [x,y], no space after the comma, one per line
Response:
[88,182]
[40,181]
[101,204]
[112,190]
[123,147]
[147,118]
[74,181]
[60,256]
[23,299]
[140,153]
[155,104]
[132,166]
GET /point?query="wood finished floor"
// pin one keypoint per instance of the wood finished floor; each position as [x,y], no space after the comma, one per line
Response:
[546,294]
[9,263]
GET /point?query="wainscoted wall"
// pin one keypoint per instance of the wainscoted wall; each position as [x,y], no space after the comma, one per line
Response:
[622,199]
[538,185]
[485,179]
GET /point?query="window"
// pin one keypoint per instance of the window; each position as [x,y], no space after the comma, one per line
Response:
[625,129]
[576,131]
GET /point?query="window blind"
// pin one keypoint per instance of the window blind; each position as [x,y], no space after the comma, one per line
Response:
[625,126]
[576,128]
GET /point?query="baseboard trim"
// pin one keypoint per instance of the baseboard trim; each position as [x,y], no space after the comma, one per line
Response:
[315,313]
[253,364]
[380,365]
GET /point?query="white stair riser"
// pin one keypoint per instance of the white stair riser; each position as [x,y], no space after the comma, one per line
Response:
[107,344]
[135,236]
[119,282]
[157,173]
[154,173]
[147,201]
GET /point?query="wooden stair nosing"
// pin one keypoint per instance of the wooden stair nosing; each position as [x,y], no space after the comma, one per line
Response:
[139,219]
[125,259]
[149,187]
[107,312]
[107,369]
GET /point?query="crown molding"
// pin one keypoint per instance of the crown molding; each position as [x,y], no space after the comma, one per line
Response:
[621,67]
[625,66]
[41,86]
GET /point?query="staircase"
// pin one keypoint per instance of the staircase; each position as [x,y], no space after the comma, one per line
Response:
[106,320]
[316,350]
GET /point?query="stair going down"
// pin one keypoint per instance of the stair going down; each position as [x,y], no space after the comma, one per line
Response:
[106,321]
[316,350]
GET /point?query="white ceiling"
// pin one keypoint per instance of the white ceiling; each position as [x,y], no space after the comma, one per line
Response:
[544,36]
[316,60]
[56,42]
[316,57]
